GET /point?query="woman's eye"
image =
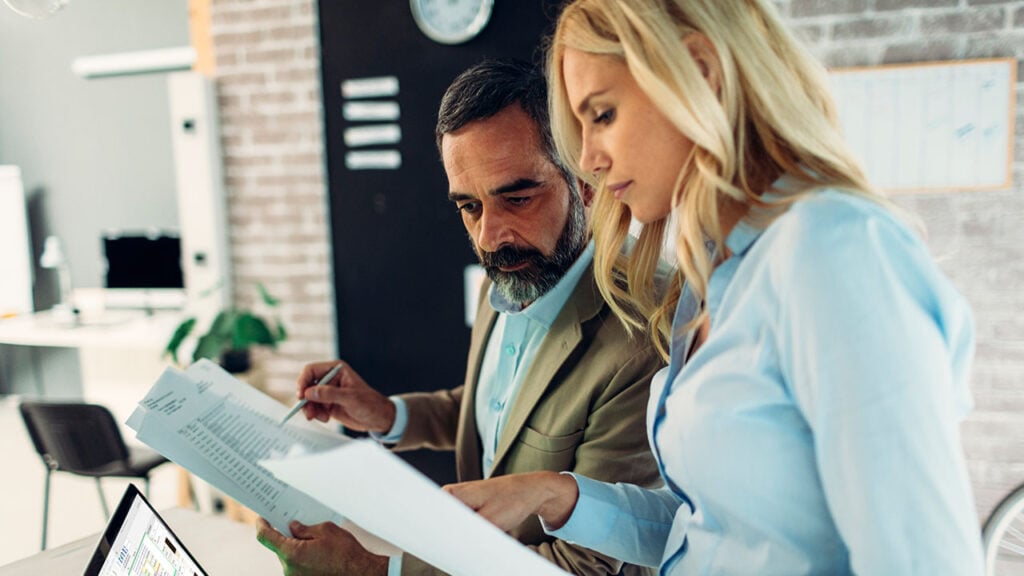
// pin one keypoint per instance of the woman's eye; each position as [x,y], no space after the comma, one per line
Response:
[605,117]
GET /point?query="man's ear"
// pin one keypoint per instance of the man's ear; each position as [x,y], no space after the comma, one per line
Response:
[586,192]
[706,57]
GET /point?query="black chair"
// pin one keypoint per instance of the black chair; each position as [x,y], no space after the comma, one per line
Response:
[83,439]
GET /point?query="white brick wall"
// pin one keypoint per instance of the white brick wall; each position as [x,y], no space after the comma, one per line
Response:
[268,77]
[268,80]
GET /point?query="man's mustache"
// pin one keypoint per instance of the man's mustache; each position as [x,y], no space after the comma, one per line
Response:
[508,256]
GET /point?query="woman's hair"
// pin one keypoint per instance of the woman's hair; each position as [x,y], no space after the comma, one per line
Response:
[771,115]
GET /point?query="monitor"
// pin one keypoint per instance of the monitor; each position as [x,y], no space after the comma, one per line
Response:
[143,270]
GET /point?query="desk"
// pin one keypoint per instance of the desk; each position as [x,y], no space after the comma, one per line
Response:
[220,546]
[111,358]
[111,329]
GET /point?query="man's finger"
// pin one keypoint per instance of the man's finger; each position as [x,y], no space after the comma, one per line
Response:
[268,536]
[300,530]
[324,394]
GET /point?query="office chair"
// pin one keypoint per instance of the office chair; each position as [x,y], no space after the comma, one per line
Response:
[83,439]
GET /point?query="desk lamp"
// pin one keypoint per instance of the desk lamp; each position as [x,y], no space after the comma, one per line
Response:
[53,258]
[38,9]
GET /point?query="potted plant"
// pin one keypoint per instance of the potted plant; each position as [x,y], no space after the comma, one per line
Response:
[231,336]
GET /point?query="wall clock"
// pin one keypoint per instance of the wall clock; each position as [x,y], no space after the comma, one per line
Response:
[451,21]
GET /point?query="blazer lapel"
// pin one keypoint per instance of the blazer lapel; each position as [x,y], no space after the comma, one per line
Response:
[468,448]
[563,337]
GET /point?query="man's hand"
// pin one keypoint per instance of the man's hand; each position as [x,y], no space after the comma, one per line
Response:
[346,398]
[507,501]
[323,549]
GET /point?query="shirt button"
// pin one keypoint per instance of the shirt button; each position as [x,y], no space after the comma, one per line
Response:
[510,350]
[497,405]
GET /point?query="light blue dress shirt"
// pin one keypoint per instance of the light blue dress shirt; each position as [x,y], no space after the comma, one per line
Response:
[816,430]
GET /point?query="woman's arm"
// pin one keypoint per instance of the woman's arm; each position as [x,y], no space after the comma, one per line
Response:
[875,345]
[620,520]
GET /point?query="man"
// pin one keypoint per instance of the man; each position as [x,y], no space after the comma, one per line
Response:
[553,381]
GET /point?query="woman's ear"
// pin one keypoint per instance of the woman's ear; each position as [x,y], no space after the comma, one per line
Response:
[706,57]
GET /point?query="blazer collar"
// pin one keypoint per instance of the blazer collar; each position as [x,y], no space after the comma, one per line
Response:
[468,447]
[561,340]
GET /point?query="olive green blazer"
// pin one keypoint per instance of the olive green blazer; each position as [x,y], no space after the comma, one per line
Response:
[581,408]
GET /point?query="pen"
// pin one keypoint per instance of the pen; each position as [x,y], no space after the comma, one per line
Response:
[298,405]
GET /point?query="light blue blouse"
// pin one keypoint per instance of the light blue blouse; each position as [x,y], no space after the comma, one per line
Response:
[816,430]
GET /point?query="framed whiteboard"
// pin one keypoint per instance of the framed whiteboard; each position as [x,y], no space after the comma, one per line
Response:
[938,126]
[15,253]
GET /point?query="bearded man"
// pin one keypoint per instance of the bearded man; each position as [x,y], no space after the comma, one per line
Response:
[553,381]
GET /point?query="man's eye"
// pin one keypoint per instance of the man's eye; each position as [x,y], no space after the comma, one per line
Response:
[517,200]
[468,208]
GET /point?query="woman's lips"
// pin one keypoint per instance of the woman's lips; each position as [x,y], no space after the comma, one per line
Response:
[618,189]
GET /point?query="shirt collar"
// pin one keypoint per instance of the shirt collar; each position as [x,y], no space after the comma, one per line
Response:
[545,309]
[743,235]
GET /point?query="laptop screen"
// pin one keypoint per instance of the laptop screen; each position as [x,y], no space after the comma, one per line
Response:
[137,542]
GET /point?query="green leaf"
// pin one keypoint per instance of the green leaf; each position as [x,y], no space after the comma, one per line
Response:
[180,333]
[282,335]
[267,298]
[250,330]
[224,324]
[209,346]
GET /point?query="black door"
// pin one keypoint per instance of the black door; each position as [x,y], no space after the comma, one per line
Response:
[399,247]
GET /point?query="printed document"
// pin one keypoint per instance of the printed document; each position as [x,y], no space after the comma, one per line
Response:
[408,510]
[219,427]
[226,432]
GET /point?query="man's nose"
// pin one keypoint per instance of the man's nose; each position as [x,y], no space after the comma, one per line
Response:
[494,232]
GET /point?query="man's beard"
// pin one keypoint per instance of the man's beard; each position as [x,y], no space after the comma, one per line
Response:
[542,272]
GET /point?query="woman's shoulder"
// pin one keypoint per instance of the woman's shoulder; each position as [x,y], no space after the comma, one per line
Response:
[829,216]
[826,209]
[833,229]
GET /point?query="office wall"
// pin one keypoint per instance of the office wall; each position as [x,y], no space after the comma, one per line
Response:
[94,154]
[268,80]
[267,58]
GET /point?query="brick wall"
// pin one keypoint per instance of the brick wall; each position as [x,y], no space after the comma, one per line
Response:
[268,80]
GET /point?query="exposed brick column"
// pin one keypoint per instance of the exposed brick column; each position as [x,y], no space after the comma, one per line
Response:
[268,83]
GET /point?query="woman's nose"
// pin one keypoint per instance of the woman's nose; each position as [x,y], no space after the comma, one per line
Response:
[592,160]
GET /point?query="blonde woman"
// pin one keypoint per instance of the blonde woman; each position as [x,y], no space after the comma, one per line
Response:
[808,420]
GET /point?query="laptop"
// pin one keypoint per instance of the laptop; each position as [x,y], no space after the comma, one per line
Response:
[138,542]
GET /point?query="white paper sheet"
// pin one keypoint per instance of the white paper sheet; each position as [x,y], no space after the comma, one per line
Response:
[380,492]
[219,428]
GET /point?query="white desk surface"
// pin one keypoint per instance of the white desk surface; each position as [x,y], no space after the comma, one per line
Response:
[218,544]
[112,329]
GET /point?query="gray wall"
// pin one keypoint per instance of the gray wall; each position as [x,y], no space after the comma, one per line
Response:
[95,154]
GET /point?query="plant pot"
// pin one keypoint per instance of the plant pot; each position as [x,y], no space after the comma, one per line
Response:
[236,361]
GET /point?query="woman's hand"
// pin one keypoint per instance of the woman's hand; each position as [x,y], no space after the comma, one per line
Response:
[507,501]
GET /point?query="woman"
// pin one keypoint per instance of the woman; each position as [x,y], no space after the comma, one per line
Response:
[808,420]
